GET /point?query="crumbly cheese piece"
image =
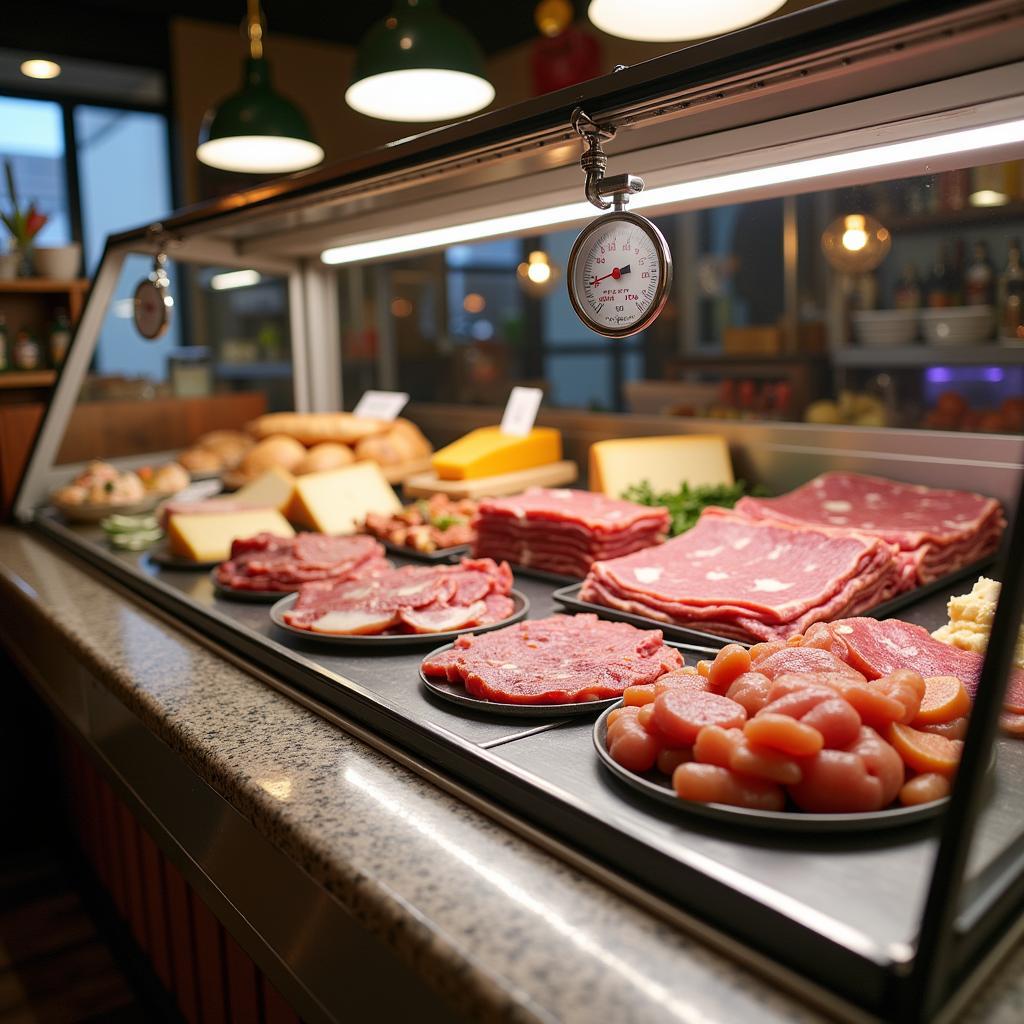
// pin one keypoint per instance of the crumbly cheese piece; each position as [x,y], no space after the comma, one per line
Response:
[272,489]
[207,536]
[665,462]
[488,452]
[337,501]
[970,620]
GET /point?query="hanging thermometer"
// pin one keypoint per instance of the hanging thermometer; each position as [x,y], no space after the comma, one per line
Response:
[151,307]
[620,267]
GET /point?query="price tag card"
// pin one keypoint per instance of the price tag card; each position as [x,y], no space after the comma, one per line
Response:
[381,405]
[521,410]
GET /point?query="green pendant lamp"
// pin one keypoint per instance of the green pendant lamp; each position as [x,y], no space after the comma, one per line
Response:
[257,131]
[418,65]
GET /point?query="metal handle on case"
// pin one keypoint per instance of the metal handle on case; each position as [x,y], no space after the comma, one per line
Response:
[594,162]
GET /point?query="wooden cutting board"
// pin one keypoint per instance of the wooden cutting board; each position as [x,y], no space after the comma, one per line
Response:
[402,470]
[554,474]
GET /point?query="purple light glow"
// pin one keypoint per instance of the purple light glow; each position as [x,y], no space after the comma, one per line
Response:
[939,374]
[993,373]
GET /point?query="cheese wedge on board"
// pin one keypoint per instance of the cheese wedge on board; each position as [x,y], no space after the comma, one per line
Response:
[272,489]
[664,462]
[207,536]
[336,501]
[488,452]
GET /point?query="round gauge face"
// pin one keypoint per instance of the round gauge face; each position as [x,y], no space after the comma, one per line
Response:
[150,309]
[620,269]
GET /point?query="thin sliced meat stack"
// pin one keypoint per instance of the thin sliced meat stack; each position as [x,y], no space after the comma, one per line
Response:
[746,579]
[565,531]
[270,563]
[935,531]
[564,659]
[413,599]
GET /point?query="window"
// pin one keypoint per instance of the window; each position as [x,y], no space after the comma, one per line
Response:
[32,138]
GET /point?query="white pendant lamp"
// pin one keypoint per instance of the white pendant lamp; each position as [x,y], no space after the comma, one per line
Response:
[418,65]
[664,21]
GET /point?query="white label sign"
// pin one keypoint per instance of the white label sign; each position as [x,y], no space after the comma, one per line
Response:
[381,405]
[521,410]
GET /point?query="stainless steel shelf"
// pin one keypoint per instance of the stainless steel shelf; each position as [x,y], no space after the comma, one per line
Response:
[912,356]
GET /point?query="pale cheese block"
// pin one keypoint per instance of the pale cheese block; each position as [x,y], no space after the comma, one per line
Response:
[970,620]
[207,537]
[337,501]
[666,463]
[486,451]
[272,489]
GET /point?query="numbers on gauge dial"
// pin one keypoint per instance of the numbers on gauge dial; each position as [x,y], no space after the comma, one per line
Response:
[617,274]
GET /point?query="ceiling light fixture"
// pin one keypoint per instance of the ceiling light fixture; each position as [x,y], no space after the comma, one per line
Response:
[888,155]
[664,21]
[40,68]
[235,279]
[418,65]
[257,130]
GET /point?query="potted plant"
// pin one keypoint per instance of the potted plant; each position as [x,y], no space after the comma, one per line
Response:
[23,225]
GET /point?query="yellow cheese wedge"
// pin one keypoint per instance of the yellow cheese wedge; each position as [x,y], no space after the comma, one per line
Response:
[272,489]
[664,462]
[487,452]
[337,501]
[207,537]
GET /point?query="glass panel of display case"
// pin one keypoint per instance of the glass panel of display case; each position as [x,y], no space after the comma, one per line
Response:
[893,303]
[224,359]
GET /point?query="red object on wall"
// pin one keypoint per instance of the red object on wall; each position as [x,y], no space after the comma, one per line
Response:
[566,59]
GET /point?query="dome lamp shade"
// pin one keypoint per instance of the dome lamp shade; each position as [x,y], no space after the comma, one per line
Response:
[257,130]
[664,21]
[418,65]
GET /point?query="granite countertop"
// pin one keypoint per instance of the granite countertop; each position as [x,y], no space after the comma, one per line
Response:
[384,842]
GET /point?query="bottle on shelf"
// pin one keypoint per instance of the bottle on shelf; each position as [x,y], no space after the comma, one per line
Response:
[1011,295]
[980,278]
[939,292]
[27,353]
[957,273]
[907,294]
[5,345]
[60,339]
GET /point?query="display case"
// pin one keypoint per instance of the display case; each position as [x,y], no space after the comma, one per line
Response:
[380,273]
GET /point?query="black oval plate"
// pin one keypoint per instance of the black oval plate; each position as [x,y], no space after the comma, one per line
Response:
[251,596]
[441,555]
[776,821]
[522,607]
[457,694]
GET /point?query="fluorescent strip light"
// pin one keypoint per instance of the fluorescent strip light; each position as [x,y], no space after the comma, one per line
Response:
[947,144]
[235,279]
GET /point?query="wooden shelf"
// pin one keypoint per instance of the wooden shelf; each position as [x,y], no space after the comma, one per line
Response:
[27,379]
[22,285]
[922,356]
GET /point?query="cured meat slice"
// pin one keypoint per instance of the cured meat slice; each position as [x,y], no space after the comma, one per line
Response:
[877,648]
[935,531]
[565,531]
[747,579]
[267,562]
[559,660]
[413,599]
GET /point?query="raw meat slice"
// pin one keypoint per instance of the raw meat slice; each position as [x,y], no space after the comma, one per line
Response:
[417,599]
[936,531]
[559,660]
[443,619]
[877,648]
[749,580]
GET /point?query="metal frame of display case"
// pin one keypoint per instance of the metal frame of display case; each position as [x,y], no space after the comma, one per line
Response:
[889,71]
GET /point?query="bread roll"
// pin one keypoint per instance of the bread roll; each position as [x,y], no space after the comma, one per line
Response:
[276,450]
[402,443]
[230,445]
[328,455]
[200,460]
[315,427]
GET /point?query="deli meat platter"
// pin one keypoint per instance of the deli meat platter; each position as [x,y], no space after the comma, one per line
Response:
[835,908]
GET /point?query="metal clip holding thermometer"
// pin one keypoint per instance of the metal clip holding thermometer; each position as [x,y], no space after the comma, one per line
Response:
[620,267]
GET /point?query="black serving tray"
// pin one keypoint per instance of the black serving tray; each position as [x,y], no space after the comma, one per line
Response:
[441,556]
[569,597]
[841,912]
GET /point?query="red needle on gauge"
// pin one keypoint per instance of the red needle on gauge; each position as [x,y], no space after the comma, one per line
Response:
[616,273]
